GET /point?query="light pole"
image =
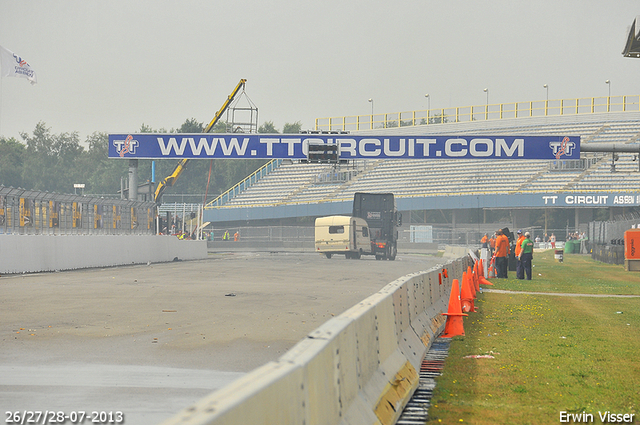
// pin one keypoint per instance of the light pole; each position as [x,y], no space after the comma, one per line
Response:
[428,105]
[546,104]
[608,83]
[371,101]
[486,109]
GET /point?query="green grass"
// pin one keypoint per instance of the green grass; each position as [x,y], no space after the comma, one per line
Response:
[577,274]
[552,353]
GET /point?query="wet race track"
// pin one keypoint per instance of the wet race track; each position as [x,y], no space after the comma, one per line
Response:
[149,340]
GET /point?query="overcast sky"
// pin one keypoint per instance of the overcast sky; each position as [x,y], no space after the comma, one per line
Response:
[113,65]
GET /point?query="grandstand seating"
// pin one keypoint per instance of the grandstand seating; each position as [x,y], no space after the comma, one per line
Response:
[299,182]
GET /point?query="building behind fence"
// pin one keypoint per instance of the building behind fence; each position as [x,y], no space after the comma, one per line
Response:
[31,212]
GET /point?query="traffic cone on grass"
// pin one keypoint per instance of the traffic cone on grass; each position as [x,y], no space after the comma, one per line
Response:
[476,273]
[481,279]
[492,268]
[471,276]
[466,294]
[454,325]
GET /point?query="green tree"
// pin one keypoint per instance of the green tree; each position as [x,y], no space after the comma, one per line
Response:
[12,154]
[50,161]
[267,127]
[191,126]
[103,173]
[294,128]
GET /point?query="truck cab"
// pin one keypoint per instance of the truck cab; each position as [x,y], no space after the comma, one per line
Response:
[379,210]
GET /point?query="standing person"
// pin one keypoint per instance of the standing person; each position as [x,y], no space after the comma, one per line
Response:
[492,243]
[225,236]
[236,236]
[552,239]
[526,254]
[502,255]
[485,241]
[519,269]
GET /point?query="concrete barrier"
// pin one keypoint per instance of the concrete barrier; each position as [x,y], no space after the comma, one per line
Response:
[42,253]
[456,251]
[358,368]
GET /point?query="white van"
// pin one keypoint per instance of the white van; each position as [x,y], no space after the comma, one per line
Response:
[339,234]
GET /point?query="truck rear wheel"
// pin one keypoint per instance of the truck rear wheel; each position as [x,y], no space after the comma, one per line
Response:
[393,253]
[327,254]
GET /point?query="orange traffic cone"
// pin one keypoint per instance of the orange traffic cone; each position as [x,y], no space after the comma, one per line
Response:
[466,294]
[471,276]
[492,268]
[454,325]
[474,280]
[483,281]
[470,283]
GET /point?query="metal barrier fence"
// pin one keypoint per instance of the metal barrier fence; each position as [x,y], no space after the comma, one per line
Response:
[409,233]
[264,234]
[611,232]
[607,238]
[589,105]
[30,212]
[610,254]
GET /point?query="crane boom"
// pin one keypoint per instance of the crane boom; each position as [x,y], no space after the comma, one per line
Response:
[182,164]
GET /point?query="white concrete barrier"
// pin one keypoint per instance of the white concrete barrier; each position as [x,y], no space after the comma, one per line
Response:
[359,368]
[42,253]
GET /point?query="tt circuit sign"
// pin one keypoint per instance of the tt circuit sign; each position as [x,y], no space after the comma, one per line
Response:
[267,146]
[591,200]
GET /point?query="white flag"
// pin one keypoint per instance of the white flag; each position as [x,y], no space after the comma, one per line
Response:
[14,66]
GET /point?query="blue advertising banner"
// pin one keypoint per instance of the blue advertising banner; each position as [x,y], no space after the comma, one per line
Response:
[268,146]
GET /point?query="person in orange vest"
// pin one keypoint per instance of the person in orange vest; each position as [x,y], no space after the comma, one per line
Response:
[492,243]
[502,255]
[236,236]
[484,241]
[519,268]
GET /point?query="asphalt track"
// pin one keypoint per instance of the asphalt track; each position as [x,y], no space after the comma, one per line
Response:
[150,340]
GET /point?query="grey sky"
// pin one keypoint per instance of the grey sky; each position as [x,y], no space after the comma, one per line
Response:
[113,65]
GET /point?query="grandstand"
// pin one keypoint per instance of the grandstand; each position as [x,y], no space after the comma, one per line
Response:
[296,189]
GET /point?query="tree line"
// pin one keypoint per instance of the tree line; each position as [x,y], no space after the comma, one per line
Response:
[55,162]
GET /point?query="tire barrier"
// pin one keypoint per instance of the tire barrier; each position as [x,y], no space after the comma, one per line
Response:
[358,368]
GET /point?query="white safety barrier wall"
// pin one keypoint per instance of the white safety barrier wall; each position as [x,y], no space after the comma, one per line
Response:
[40,253]
[358,368]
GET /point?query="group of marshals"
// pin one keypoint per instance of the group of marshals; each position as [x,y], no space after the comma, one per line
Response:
[523,251]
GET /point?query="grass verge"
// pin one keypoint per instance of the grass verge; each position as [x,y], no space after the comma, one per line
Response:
[552,353]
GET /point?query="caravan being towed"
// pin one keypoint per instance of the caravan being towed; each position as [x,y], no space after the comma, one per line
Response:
[339,234]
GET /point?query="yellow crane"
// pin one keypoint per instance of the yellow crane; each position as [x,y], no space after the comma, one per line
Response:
[182,165]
